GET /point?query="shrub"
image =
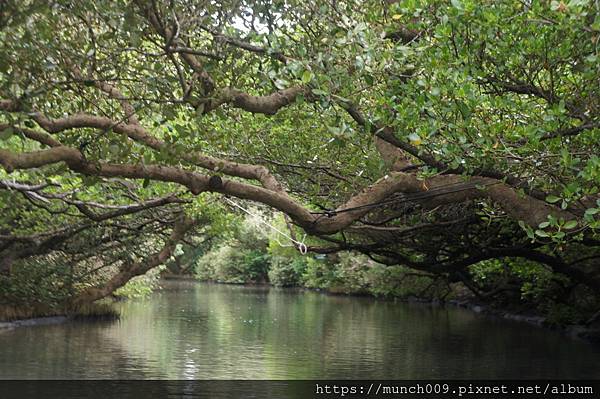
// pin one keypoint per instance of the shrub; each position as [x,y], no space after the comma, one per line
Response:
[286,272]
[140,286]
[205,269]
[231,264]
[37,282]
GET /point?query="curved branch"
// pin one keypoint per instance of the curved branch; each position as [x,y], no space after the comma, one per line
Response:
[574,131]
[33,135]
[386,133]
[125,210]
[133,269]
[528,209]
[171,39]
[277,55]
[112,92]
[139,134]
[268,105]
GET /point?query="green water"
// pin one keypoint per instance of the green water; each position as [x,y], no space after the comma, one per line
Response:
[203,331]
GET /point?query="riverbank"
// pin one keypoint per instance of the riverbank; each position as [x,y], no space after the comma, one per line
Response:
[13,317]
[37,321]
[589,333]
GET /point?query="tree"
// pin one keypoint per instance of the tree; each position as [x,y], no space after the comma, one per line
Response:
[434,135]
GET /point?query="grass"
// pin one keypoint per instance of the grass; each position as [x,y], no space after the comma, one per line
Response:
[93,311]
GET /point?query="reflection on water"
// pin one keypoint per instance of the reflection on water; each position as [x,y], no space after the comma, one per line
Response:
[203,331]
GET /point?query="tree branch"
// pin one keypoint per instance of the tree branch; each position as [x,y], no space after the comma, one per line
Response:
[528,209]
[132,269]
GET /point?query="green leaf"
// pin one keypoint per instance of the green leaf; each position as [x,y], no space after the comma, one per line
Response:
[307,76]
[592,211]
[541,233]
[596,24]
[543,225]
[571,224]
[527,229]
[457,4]
[464,109]
[552,199]
[178,250]
[281,84]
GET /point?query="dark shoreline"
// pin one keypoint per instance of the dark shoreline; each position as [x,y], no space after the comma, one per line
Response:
[36,321]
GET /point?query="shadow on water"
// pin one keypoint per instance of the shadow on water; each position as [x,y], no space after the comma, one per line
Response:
[204,331]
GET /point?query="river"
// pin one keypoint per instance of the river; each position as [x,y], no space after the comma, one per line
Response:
[193,330]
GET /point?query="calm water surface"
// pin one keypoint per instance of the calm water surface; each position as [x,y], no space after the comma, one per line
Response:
[203,331]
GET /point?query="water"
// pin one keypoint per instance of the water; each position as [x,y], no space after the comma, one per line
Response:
[203,331]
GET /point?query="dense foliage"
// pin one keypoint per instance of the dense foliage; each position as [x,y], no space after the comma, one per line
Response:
[514,285]
[458,139]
